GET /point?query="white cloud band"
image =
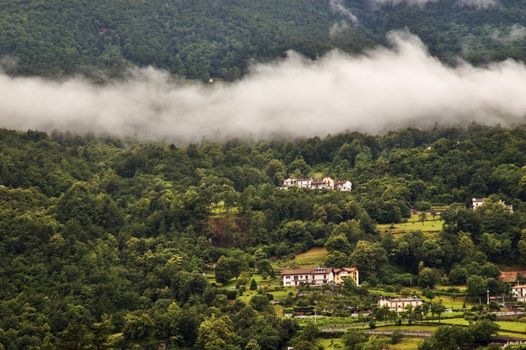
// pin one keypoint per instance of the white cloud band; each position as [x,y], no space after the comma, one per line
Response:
[384,88]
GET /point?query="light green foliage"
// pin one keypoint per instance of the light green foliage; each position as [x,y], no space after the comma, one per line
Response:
[216,334]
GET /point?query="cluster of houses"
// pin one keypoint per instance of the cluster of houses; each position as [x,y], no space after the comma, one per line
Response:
[319,276]
[326,183]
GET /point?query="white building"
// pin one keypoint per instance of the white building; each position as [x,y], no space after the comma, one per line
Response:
[476,202]
[289,182]
[519,292]
[318,276]
[399,304]
[344,185]
[304,183]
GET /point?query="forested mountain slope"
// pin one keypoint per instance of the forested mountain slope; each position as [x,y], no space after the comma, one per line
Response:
[211,38]
[104,243]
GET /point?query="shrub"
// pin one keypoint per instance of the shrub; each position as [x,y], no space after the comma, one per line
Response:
[253,285]
[396,337]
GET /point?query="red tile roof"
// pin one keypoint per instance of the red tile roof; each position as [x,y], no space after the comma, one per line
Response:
[315,271]
[348,269]
[296,271]
[511,276]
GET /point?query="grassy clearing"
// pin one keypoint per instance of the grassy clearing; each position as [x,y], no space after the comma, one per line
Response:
[514,335]
[313,257]
[324,322]
[247,295]
[457,321]
[282,294]
[461,288]
[418,327]
[220,209]
[430,226]
[508,328]
[407,343]
[512,326]
[332,344]
[267,283]
[451,302]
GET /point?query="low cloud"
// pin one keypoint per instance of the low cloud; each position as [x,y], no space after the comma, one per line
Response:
[382,89]
[338,6]
[470,3]
[479,3]
[408,2]
[515,33]
[339,28]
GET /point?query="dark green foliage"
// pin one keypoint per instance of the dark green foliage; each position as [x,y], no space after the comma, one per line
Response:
[458,337]
[253,285]
[104,241]
[203,39]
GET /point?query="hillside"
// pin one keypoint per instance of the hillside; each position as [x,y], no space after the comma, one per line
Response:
[107,243]
[210,38]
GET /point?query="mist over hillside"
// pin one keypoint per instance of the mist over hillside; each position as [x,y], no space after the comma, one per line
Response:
[262,174]
[387,87]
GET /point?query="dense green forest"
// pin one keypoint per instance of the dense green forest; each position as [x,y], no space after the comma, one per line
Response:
[218,39]
[108,243]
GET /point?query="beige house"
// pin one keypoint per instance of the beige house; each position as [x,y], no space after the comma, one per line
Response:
[329,182]
[346,272]
[399,304]
[318,276]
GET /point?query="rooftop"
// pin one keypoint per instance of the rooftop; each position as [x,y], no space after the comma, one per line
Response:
[315,271]
[511,276]
[403,299]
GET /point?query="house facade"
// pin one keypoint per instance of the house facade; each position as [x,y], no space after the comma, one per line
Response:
[399,304]
[290,182]
[318,276]
[346,272]
[519,292]
[476,202]
[344,185]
